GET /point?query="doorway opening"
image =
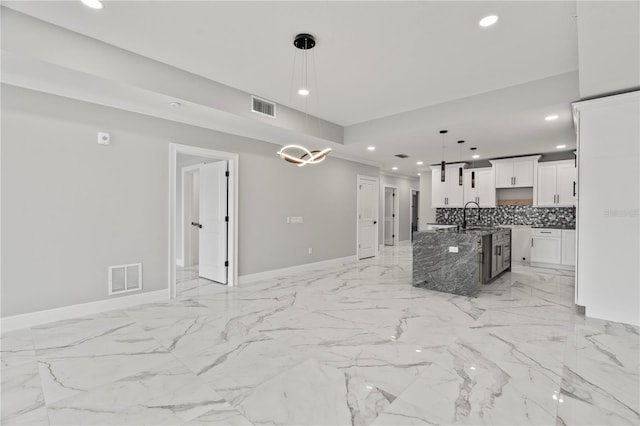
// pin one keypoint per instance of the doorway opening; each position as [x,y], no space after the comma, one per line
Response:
[390,213]
[415,202]
[203,219]
[367,211]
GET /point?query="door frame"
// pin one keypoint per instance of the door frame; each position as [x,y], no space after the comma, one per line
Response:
[232,245]
[411,191]
[376,209]
[396,208]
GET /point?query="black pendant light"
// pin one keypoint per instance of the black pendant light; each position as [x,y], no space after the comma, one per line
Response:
[442,164]
[473,172]
[460,168]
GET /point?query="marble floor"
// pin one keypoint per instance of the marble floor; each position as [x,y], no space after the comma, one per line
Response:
[350,344]
[188,280]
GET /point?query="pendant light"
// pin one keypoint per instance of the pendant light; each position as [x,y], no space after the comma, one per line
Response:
[297,154]
[460,168]
[442,164]
[473,166]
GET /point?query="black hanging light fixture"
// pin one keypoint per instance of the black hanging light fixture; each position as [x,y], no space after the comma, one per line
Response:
[473,166]
[460,168]
[298,154]
[442,164]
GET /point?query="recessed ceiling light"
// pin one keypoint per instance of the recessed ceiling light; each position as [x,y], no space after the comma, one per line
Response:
[488,21]
[551,117]
[475,156]
[418,174]
[371,148]
[303,92]
[394,168]
[560,146]
[419,163]
[93,4]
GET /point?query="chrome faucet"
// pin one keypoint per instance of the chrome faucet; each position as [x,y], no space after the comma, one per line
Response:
[464,214]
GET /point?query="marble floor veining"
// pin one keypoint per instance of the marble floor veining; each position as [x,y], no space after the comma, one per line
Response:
[354,343]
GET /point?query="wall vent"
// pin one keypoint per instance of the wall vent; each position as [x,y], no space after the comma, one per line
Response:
[125,278]
[263,107]
[402,156]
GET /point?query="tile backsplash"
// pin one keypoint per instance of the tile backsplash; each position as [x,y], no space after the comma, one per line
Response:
[511,215]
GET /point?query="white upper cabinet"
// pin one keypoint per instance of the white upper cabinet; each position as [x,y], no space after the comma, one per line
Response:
[566,183]
[448,193]
[516,172]
[483,189]
[556,184]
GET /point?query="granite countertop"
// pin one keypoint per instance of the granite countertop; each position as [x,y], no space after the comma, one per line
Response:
[475,230]
[553,227]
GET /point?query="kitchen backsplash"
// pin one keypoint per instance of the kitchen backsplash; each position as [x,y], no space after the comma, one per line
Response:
[511,215]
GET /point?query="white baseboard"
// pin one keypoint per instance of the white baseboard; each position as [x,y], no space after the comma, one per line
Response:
[552,266]
[251,278]
[180,262]
[67,312]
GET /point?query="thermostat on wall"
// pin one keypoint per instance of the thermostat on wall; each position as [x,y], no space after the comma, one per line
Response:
[104,138]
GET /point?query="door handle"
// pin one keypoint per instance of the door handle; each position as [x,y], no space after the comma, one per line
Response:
[196,224]
[375,221]
[574,188]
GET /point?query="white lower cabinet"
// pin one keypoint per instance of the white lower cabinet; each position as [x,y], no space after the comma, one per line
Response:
[546,246]
[569,247]
[553,247]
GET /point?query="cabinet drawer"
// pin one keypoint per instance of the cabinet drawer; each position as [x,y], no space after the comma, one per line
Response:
[544,232]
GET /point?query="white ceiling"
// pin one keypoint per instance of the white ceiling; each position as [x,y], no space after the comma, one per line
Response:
[392,64]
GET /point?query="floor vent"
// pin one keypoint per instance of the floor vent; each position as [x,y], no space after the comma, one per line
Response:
[125,278]
[263,107]
[402,156]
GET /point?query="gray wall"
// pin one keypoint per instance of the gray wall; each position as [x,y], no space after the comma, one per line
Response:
[404,186]
[70,207]
[426,213]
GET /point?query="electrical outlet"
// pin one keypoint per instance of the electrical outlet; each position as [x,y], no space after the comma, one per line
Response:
[310,250]
[296,219]
[453,249]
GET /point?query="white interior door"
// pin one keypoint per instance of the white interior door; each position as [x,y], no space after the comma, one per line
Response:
[389,216]
[213,218]
[367,217]
[195,218]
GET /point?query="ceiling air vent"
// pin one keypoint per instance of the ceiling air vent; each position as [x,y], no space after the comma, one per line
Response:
[402,156]
[263,107]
